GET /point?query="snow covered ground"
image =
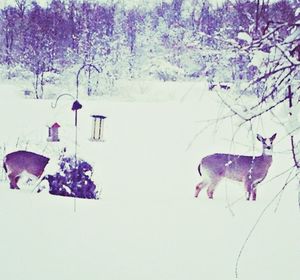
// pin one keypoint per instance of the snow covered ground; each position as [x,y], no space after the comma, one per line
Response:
[147,224]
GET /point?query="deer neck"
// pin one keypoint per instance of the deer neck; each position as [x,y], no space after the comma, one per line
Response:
[267,153]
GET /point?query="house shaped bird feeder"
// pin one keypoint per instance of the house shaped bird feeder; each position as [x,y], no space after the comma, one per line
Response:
[53,132]
[97,127]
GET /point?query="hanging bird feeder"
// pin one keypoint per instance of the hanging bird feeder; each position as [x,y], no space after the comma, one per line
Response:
[75,107]
[53,133]
[97,127]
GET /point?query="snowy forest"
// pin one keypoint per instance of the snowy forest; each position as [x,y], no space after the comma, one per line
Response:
[178,40]
[173,81]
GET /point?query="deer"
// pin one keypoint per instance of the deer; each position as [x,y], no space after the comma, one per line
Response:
[250,170]
[220,86]
[17,163]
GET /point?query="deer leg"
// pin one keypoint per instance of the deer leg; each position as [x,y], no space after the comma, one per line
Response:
[254,192]
[211,188]
[251,190]
[199,187]
[248,187]
[13,179]
[248,195]
[210,193]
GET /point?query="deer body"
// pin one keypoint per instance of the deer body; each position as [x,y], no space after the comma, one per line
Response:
[251,170]
[19,162]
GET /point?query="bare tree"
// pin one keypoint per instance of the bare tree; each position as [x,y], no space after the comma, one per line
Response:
[21,5]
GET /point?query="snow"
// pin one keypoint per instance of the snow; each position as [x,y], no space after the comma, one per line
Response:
[147,224]
[245,36]
[258,58]
[295,33]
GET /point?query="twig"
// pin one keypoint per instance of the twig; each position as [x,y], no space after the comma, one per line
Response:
[186,93]
[277,176]
[296,163]
[266,36]
[17,143]
[280,196]
[216,119]
[230,108]
[270,73]
[229,205]
[197,135]
[255,225]
[265,111]
[264,98]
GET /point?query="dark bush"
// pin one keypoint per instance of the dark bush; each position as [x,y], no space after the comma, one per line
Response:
[73,179]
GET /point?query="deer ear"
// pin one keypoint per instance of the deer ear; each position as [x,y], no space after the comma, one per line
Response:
[273,137]
[259,138]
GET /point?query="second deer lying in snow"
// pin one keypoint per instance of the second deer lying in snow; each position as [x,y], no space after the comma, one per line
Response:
[251,170]
[19,162]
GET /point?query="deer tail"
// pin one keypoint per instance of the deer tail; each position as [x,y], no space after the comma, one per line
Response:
[4,165]
[199,169]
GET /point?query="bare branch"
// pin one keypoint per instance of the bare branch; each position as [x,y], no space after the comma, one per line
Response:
[257,222]
[270,73]
[230,108]
[266,110]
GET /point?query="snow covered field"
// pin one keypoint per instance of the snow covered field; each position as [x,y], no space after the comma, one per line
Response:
[147,224]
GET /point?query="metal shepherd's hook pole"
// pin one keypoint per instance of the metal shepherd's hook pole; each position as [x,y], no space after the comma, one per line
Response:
[75,107]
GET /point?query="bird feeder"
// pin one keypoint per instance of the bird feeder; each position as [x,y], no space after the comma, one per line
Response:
[75,107]
[97,127]
[53,133]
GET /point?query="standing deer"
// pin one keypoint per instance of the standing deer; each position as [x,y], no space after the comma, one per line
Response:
[251,170]
[17,163]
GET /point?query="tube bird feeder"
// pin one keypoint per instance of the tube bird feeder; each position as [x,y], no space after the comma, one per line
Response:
[97,128]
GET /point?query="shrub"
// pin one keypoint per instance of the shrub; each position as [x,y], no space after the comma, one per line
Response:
[73,179]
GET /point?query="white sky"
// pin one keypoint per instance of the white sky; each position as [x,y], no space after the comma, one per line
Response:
[4,3]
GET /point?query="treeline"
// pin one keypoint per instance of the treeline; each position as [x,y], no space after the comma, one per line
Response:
[179,38]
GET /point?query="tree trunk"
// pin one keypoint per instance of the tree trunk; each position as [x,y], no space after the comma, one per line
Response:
[36,85]
[42,85]
[257,16]
[89,89]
